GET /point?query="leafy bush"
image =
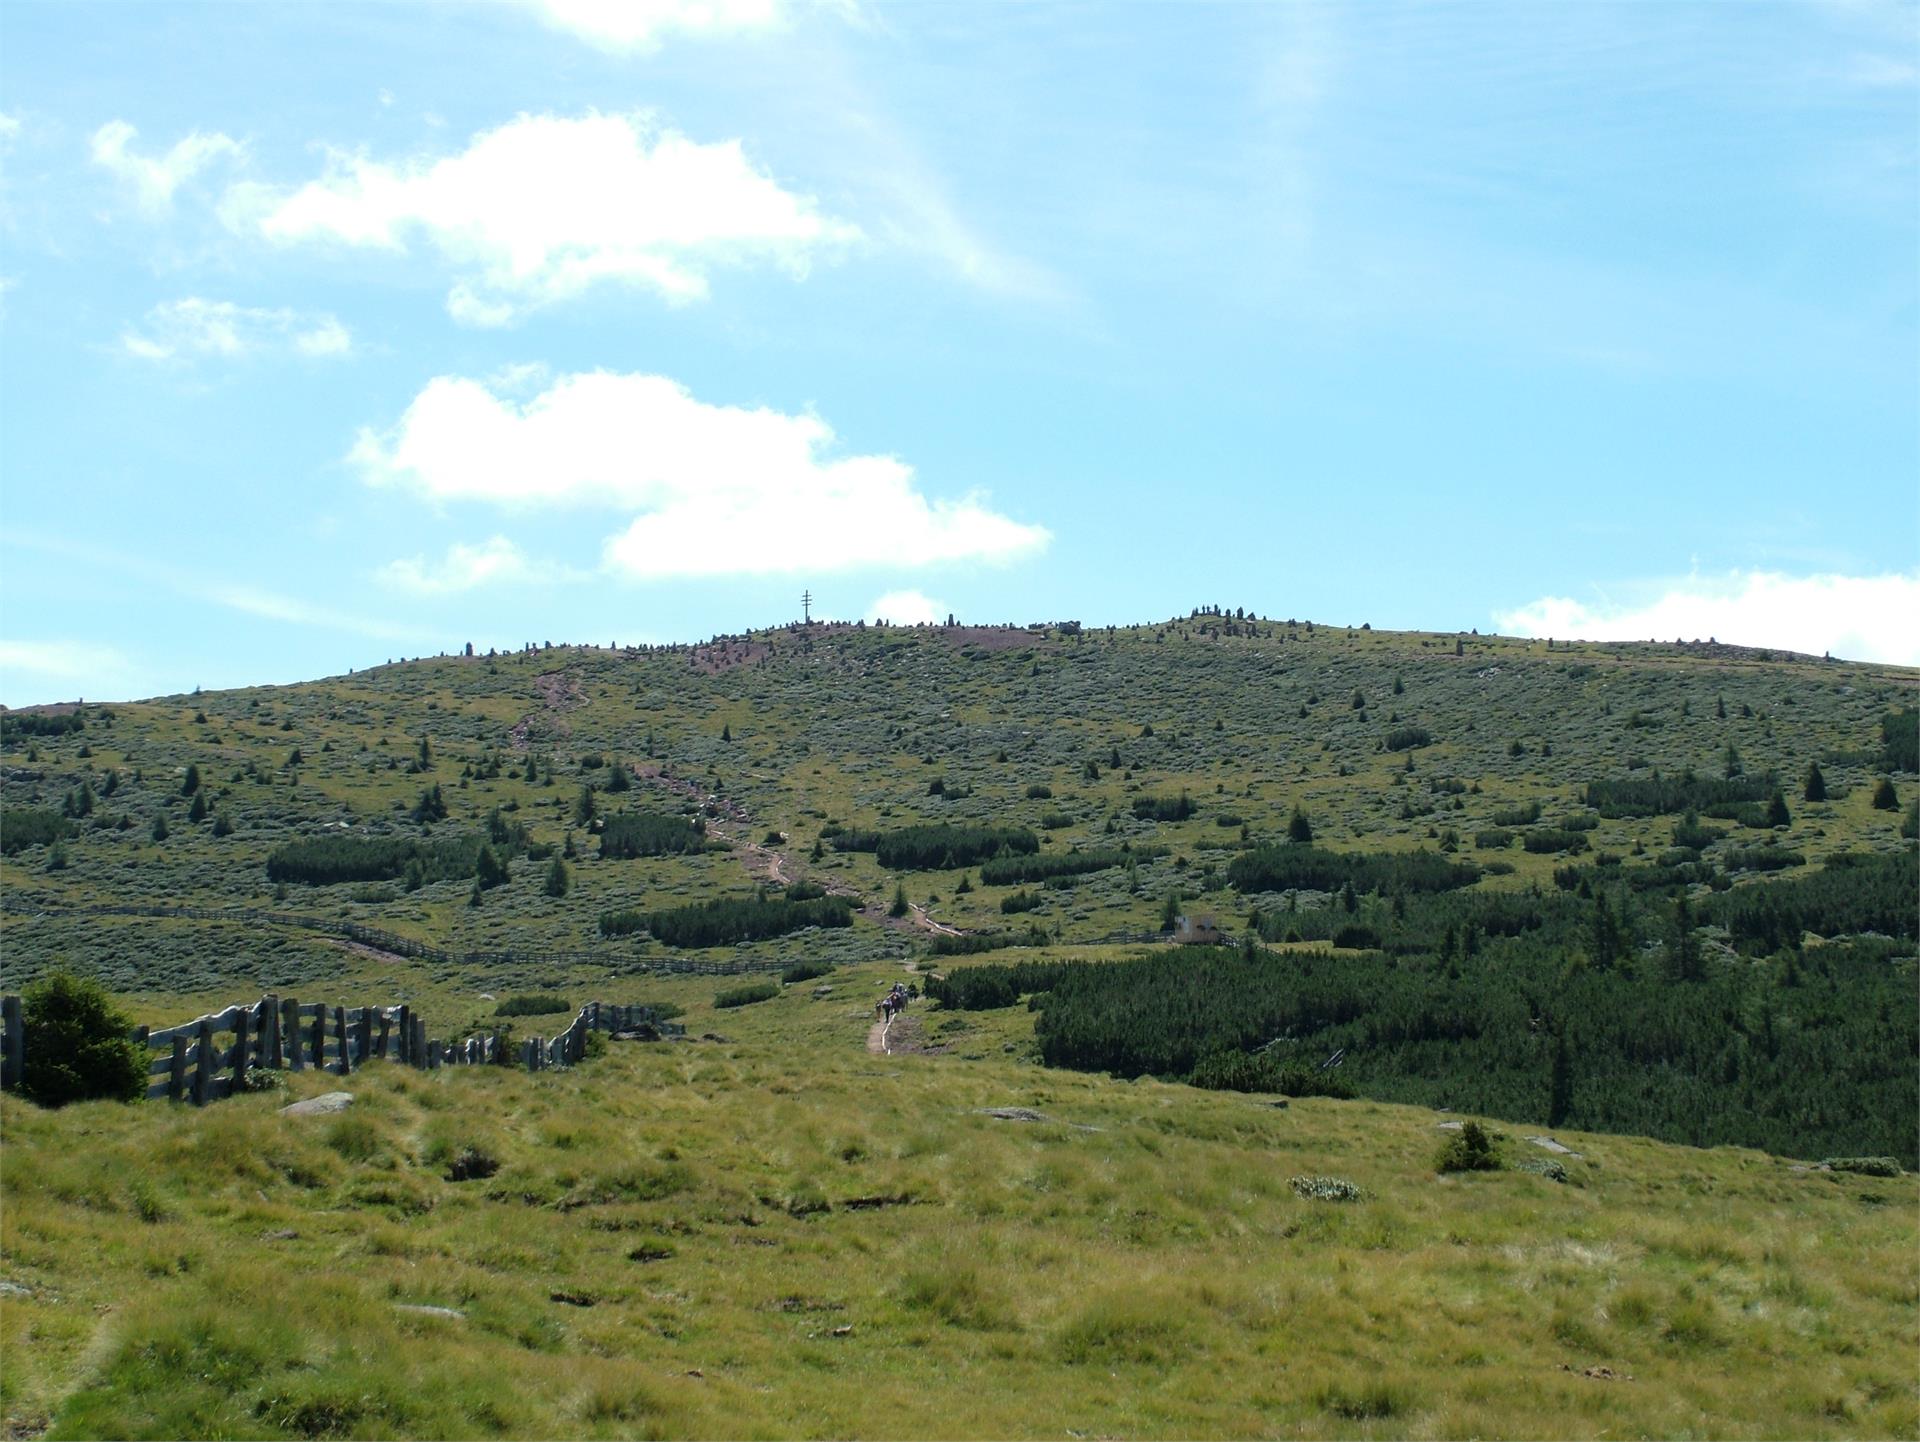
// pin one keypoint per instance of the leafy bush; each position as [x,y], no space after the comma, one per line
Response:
[1325,1189]
[1547,840]
[940,847]
[1494,838]
[973,943]
[1408,738]
[1517,815]
[1763,858]
[1900,740]
[1009,870]
[1240,1071]
[15,725]
[1018,902]
[21,828]
[1468,1150]
[622,923]
[1655,795]
[1164,808]
[533,1004]
[1039,791]
[726,920]
[328,860]
[805,971]
[1297,867]
[988,988]
[77,1045]
[628,835]
[746,995]
[1864,1166]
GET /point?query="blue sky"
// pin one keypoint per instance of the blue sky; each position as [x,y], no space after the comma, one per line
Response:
[338,333]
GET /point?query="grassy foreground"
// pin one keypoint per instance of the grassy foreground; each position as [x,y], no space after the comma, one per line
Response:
[781,1234]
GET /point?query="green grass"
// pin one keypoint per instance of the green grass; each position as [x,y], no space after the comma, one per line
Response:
[1136,1264]
[849,726]
[670,1245]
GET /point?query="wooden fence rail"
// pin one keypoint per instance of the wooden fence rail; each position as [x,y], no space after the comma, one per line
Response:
[213,1056]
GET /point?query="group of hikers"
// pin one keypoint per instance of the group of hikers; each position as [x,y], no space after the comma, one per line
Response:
[893,1002]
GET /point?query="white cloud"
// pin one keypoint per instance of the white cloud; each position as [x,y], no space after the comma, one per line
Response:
[9,127]
[1861,618]
[154,179]
[191,327]
[637,26]
[463,568]
[544,208]
[60,661]
[720,490]
[908,608]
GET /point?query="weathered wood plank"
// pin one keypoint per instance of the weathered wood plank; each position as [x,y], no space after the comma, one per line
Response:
[276,1051]
[177,1070]
[203,1059]
[242,1048]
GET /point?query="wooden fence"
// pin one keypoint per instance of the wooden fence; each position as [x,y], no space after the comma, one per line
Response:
[212,1056]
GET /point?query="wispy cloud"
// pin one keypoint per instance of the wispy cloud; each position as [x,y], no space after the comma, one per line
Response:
[546,208]
[194,327]
[59,663]
[153,179]
[1861,618]
[627,27]
[720,490]
[908,608]
[495,561]
[236,596]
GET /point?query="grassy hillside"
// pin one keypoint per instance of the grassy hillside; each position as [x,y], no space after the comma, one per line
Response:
[783,1234]
[802,734]
[1592,888]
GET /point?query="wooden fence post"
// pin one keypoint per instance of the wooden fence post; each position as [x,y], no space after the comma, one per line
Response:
[363,1036]
[177,1074]
[13,1049]
[404,1051]
[276,1051]
[203,1064]
[290,1031]
[320,1036]
[341,1041]
[242,1045]
[383,1045]
[419,1047]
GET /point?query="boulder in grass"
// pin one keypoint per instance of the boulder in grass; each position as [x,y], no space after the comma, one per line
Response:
[323,1105]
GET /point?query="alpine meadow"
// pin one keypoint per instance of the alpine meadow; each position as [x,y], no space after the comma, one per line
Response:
[837,719]
[1095,1166]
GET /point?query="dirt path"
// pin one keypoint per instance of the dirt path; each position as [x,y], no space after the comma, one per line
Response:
[900,1035]
[560,692]
[730,822]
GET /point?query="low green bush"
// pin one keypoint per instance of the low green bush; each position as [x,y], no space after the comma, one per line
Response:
[1468,1150]
[746,995]
[77,1045]
[533,1004]
[805,971]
